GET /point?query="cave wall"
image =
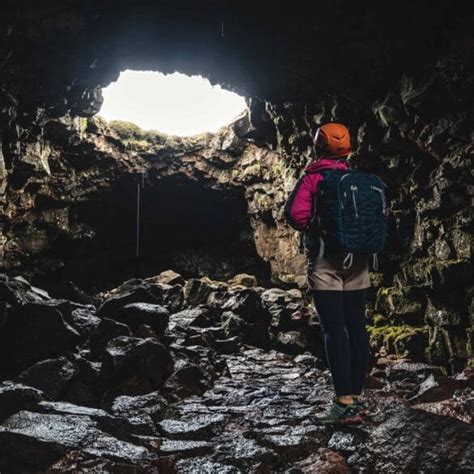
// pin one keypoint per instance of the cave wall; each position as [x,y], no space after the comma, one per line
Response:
[407,98]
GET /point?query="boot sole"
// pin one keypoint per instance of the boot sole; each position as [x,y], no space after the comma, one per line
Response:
[352,421]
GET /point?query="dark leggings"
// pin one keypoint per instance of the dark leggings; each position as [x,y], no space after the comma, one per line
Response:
[342,318]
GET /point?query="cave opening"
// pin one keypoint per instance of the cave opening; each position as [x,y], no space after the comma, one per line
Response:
[182,224]
[175,104]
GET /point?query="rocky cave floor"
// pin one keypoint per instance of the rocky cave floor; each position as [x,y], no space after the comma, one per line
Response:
[166,375]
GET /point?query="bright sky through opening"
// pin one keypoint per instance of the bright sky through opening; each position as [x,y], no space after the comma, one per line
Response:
[175,104]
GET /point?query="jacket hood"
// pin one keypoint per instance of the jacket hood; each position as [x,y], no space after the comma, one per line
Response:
[328,163]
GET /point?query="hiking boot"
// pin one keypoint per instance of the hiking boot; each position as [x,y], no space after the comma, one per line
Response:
[362,408]
[340,414]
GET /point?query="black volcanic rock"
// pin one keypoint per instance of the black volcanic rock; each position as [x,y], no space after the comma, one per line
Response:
[153,315]
[34,332]
[15,397]
[33,441]
[51,376]
[412,440]
[135,366]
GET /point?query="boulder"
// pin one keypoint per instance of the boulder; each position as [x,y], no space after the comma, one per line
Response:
[324,461]
[136,314]
[168,277]
[188,380]
[130,292]
[34,332]
[34,441]
[197,291]
[132,366]
[243,279]
[15,397]
[51,376]
[107,330]
[417,441]
[292,342]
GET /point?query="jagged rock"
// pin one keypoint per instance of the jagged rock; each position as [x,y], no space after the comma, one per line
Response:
[107,330]
[325,461]
[242,452]
[201,427]
[85,387]
[289,446]
[15,397]
[202,464]
[119,427]
[150,406]
[197,291]
[33,441]
[436,388]
[133,366]
[230,345]
[186,449]
[243,279]
[83,320]
[410,441]
[412,372]
[40,328]
[129,292]
[461,408]
[245,304]
[153,315]
[292,342]
[168,277]
[345,442]
[188,380]
[51,376]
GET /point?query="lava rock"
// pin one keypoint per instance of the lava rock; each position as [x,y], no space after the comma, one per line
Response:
[136,314]
[168,277]
[107,330]
[33,441]
[186,449]
[186,381]
[197,291]
[199,427]
[414,372]
[51,376]
[410,441]
[152,404]
[15,397]
[132,366]
[34,332]
[436,388]
[243,279]
[84,320]
[325,461]
[292,342]
[129,293]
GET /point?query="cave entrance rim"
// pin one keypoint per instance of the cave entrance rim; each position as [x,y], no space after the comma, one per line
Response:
[175,104]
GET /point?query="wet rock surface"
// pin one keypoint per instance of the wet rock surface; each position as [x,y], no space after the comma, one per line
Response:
[178,399]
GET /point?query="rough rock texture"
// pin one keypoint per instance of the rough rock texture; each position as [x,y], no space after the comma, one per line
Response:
[208,396]
[68,181]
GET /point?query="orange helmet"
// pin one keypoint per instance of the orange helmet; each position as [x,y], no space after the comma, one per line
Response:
[332,140]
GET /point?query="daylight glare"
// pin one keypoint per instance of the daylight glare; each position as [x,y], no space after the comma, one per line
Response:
[175,104]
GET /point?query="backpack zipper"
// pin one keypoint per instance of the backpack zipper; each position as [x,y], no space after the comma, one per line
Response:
[382,197]
[354,189]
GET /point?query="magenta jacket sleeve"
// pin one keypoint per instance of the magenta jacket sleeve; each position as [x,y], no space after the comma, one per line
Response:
[299,206]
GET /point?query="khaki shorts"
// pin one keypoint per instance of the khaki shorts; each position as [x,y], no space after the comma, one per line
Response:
[327,272]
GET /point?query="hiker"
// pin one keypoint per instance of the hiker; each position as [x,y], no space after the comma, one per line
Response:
[343,218]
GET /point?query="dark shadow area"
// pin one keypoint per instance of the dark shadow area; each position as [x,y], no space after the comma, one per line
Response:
[184,226]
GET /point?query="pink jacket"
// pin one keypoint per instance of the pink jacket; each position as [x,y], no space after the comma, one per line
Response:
[299,207]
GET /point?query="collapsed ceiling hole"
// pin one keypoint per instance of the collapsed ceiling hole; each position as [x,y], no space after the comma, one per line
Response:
[183,225]
[175,104]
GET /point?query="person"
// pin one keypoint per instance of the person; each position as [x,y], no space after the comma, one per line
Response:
[339,290]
